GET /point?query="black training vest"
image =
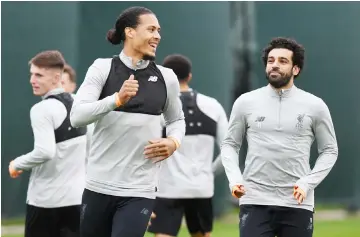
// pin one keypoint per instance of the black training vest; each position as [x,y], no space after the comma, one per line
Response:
[196,121]
[152,94]
[66,131]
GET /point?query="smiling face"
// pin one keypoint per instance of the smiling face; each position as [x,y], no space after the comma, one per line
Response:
[145,38]
[280,70]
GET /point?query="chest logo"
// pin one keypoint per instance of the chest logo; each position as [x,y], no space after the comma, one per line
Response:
[259,121]
[153,78]
[300,121]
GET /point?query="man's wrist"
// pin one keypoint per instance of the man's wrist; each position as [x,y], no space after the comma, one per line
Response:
[303,186]
[13,165]
[117,100]
[177,144]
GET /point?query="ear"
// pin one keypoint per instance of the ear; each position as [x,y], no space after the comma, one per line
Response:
[295,70]
[129,32]
[189,77]
[57,78]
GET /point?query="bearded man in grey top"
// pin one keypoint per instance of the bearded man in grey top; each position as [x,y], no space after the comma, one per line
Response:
[280,122]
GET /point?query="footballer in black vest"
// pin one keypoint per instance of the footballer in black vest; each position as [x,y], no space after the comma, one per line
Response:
[66,131]
[196,121]
[152,94]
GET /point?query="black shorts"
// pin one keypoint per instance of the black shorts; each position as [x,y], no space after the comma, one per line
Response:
[110,216]
[271,221]
[52,222]
[169,213]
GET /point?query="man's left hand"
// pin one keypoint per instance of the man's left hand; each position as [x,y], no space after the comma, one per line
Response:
[13,173]
[299,194]
[160,149]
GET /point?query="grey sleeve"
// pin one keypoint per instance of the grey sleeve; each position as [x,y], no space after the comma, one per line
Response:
[173,113]
[222,125]
[90,130]
[87,108]
[44,139]
[327,148]
[232,143]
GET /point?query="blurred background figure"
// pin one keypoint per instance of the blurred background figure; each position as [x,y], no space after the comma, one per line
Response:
[186,179]
[224,50]
[68,80]
[57,162]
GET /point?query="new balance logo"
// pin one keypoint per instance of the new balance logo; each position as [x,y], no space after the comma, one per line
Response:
[259,121]
[144,211]
[153,78]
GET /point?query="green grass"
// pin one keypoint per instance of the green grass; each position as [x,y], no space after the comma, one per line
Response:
[343,228]
[13,221]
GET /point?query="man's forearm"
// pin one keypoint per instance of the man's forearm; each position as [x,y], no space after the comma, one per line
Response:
[85,113]
[230,161]
[322,167]
[327,147]
[33,159]
[176,130]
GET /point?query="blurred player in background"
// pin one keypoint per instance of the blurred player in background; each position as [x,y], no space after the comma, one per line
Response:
[186,183]
[68,79]
[68,82]
[280,123]
[57,162]
[125,96]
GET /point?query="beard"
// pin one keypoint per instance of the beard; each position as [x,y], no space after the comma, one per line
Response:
[149,57]
[280,80]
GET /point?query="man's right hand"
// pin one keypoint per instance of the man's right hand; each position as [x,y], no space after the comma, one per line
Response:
[128,90]
[153,216]
[13,173]
[238,191]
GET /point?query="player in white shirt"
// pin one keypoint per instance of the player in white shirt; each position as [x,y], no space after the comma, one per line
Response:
[57,162]
[68,82]
[186,182]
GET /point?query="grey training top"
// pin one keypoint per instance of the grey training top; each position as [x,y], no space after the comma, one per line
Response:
[280,128]
[116,164]
[57,169]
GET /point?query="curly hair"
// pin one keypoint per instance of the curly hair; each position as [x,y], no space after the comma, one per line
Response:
[286,43]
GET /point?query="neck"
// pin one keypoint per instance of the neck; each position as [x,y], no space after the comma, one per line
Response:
[135,56]
[58,86]
[51,89]
[184,87]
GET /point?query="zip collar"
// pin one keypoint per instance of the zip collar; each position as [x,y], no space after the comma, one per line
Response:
[281,93]
[141,64]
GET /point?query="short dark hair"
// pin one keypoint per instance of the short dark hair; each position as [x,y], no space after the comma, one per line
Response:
[286,43]
[180,64]
[69,70]
[128,18]
[48,59]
